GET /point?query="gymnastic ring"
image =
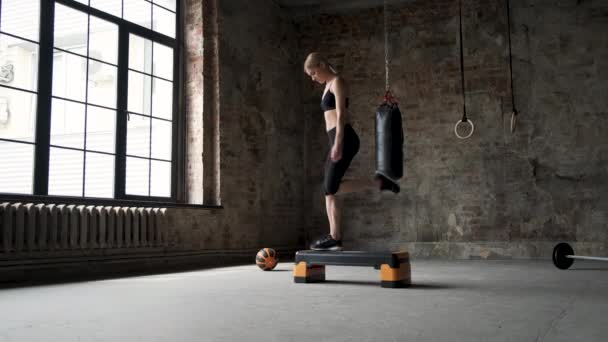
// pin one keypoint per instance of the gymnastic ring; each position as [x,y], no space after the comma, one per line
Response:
[456,129]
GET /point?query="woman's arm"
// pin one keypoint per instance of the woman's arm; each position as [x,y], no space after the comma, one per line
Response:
[340,94]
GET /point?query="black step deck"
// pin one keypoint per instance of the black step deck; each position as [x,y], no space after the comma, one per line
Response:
[351,258]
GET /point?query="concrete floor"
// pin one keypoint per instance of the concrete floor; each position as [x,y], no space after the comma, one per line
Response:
[450,301]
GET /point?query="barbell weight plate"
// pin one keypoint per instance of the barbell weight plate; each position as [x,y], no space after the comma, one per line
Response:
[559,256]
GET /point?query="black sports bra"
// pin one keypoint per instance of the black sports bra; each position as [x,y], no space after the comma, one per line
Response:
[328,101]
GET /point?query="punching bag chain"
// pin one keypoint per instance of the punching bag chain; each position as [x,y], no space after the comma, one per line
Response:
[386,47]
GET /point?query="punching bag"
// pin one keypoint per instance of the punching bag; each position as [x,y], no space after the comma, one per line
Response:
[389,140]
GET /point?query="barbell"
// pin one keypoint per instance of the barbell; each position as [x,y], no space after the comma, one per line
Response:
[563,256]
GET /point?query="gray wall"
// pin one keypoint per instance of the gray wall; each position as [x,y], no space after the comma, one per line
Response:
[497,194]
[261,164]
[260,172]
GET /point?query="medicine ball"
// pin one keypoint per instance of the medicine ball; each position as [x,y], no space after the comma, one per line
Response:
[266,259]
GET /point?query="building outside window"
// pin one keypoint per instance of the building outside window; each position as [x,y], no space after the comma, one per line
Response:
[88,108]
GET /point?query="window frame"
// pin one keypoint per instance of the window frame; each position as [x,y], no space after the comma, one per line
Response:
[43,107]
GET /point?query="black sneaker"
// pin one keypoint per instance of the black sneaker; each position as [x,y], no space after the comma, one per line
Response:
[388,184]
[327,243]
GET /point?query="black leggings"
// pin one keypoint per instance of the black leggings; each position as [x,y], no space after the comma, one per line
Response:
[334,171]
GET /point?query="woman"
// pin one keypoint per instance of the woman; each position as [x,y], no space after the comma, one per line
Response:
[343,144]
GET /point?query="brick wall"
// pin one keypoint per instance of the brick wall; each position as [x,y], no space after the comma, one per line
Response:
[261,183]
[496,194]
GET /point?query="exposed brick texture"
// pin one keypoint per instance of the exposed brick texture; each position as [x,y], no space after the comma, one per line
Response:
[257,142]
[496,194]
[261,168]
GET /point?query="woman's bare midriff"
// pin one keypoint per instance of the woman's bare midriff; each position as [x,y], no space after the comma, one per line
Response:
[330,120]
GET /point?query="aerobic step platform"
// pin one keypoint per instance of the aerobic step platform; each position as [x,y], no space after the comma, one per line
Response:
[394,266]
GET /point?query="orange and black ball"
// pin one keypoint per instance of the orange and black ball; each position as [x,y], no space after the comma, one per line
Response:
[266,259]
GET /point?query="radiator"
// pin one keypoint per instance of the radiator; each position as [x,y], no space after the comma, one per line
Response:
[46,227]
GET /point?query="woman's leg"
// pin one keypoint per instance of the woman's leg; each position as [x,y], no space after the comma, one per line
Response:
[334,171]
[333,215]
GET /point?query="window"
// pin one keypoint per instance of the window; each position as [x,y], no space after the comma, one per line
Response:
[88,98]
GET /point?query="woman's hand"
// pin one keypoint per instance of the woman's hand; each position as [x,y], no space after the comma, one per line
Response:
[336,152]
